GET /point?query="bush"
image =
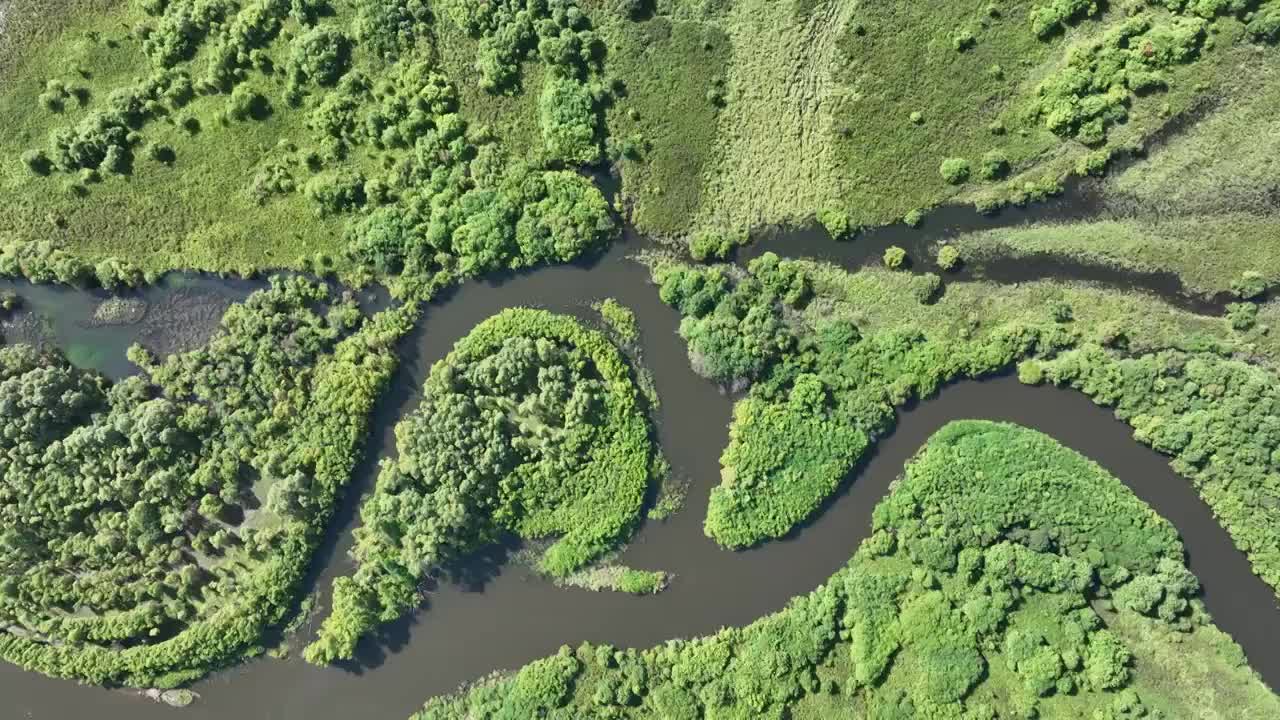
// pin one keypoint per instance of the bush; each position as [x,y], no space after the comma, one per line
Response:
[336,191]
[1265,25]
[320,55]
[954,170]
[1242,316]
[925,287]
[948,257]
[568,118]
[1249,285]
[894,257]
[994,165]
[712,244]
[838,223]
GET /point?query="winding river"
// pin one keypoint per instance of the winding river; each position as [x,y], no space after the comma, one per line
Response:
[495,615]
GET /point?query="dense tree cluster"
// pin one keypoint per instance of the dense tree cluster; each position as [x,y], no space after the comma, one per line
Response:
[1093,90]
[986,560]
[424,196]
[137,547]
[1218,418]
[819,394]
[530,425]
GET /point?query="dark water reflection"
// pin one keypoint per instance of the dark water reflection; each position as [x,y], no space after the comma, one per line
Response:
[501,617]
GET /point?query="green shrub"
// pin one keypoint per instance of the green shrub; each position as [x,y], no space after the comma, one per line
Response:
[894,257]
[1249,285]
[948,257]
[837,223]
[954,170]
[568,118]
[320,55]
[995,165]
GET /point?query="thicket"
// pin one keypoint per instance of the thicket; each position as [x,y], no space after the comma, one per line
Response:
[423,196]
[818,395]
[973,598]
[1218,418]
[155,528]
[530,425]
[1094,89]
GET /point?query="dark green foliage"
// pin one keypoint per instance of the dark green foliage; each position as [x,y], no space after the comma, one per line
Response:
[391,27]
[1216,417]
[529,425]
[987,553]
[1265,24]
[509,30]
[568,117]
[115,498]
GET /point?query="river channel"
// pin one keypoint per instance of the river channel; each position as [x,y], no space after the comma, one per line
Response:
[496,615]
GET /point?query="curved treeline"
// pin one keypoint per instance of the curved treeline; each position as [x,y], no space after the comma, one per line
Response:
[155,528]
[530,425]
[826,370]
[1006,576]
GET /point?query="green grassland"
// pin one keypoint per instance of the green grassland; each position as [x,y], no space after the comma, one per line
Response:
[1201,204]
[1073,602]
[718,116]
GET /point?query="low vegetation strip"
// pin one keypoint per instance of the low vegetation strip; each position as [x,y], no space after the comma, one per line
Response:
[1006,576]
[155,529]
[530,425]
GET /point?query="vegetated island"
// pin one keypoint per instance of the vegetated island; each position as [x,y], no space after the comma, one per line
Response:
[1006,576]
[531,425]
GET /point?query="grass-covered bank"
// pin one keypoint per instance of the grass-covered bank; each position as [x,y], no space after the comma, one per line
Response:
[156,528]
[1006,577]
[531,425]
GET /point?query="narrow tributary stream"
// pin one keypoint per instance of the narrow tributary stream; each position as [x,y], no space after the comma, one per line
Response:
[497,616]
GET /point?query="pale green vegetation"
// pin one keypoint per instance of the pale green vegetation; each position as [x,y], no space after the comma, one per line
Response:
[829,355]
[620,320]
[1209,253]
[1200,205]
[154,529]
[1006,577]
[618,578]
[531,424]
